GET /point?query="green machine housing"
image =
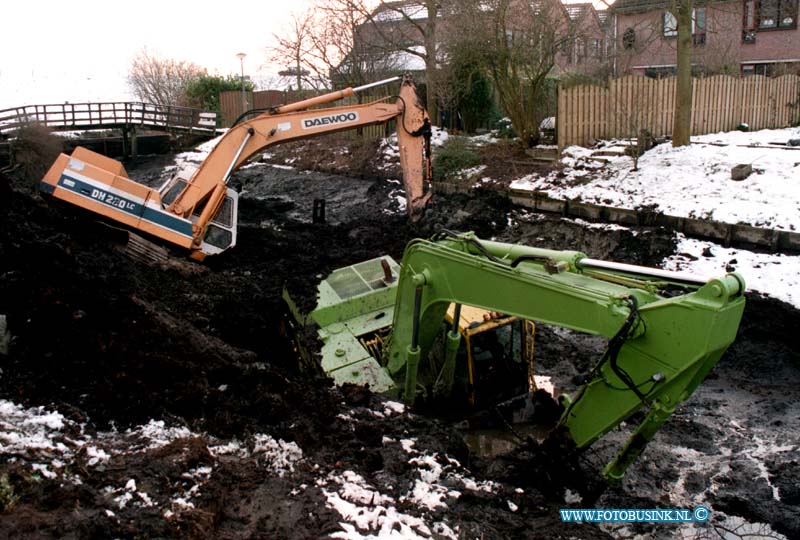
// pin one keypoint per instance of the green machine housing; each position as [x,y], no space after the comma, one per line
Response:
[354,314]
[666,330]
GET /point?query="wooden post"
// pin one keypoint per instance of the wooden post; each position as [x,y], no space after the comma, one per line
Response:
[134,146]
[125,143]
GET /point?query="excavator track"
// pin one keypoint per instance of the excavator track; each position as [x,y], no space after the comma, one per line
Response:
[145,251]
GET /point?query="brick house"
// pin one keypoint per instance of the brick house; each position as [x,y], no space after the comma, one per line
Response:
[588,50]
[738,36]
[585,50]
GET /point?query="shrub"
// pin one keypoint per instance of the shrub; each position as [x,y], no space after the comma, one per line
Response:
[452,157]
[505,129]
[7,495]
[204,91]
[34,149]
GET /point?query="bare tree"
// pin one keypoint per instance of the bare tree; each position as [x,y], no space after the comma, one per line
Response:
[321,47]
[409,27]
[519,42]
[161,81]
[296,49]
[685,16]
[349,59]
[703,33]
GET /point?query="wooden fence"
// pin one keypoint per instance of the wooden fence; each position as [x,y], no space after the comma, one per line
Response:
[719,103]
[230,103]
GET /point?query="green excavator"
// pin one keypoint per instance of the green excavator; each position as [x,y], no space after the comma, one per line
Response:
[381,323]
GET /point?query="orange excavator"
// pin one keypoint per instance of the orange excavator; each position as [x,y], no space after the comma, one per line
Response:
[197,210]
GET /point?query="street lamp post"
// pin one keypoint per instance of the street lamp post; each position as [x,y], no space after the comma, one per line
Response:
[241,56]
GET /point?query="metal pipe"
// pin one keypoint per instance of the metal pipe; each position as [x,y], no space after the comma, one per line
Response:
[417,309]
[374,84]
[510,252]
[412,366]
[250,132]
[446,376]
[311,102]
[327,98]
[413,352]
[682,277]
[456,317]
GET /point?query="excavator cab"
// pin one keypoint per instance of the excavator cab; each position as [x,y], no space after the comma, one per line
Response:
[497,352]
[221,231]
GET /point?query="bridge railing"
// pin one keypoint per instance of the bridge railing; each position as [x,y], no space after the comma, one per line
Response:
[104,115]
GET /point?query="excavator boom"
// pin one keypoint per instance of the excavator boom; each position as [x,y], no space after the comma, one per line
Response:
[196,210]
[661,345]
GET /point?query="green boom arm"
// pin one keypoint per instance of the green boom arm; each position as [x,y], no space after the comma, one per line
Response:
[660,348]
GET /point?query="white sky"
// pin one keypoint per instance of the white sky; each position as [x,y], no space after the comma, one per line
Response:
[56,51]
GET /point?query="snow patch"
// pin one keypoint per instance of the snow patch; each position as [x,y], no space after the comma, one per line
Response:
[690,181]
[775,275]
[393,407]
[156,434]
[278,456]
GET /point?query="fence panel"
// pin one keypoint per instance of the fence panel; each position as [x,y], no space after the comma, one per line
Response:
[623,106]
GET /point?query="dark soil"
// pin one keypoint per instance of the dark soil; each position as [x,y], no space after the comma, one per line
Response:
[112,344]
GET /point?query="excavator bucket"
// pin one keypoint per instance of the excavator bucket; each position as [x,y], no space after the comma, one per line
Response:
[414,140]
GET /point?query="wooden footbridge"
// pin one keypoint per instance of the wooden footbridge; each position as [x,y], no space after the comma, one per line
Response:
[126,116]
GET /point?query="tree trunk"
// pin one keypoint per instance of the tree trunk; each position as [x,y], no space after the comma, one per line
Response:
[430,91]
[682,120]
[430,61]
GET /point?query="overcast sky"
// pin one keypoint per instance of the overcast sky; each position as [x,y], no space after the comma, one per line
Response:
[79,50]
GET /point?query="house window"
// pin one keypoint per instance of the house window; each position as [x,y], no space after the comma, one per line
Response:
[670,25]
[774,14]
[629,38]
[772,69]
[699,26]
[568,50]
[757,69]
[749,22]
[596,48]
[659,72]
[580,51]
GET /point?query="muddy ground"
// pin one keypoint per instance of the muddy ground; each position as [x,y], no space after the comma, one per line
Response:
[184,415]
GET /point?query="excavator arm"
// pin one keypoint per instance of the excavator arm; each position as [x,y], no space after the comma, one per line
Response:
[661,346]
[183,210]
